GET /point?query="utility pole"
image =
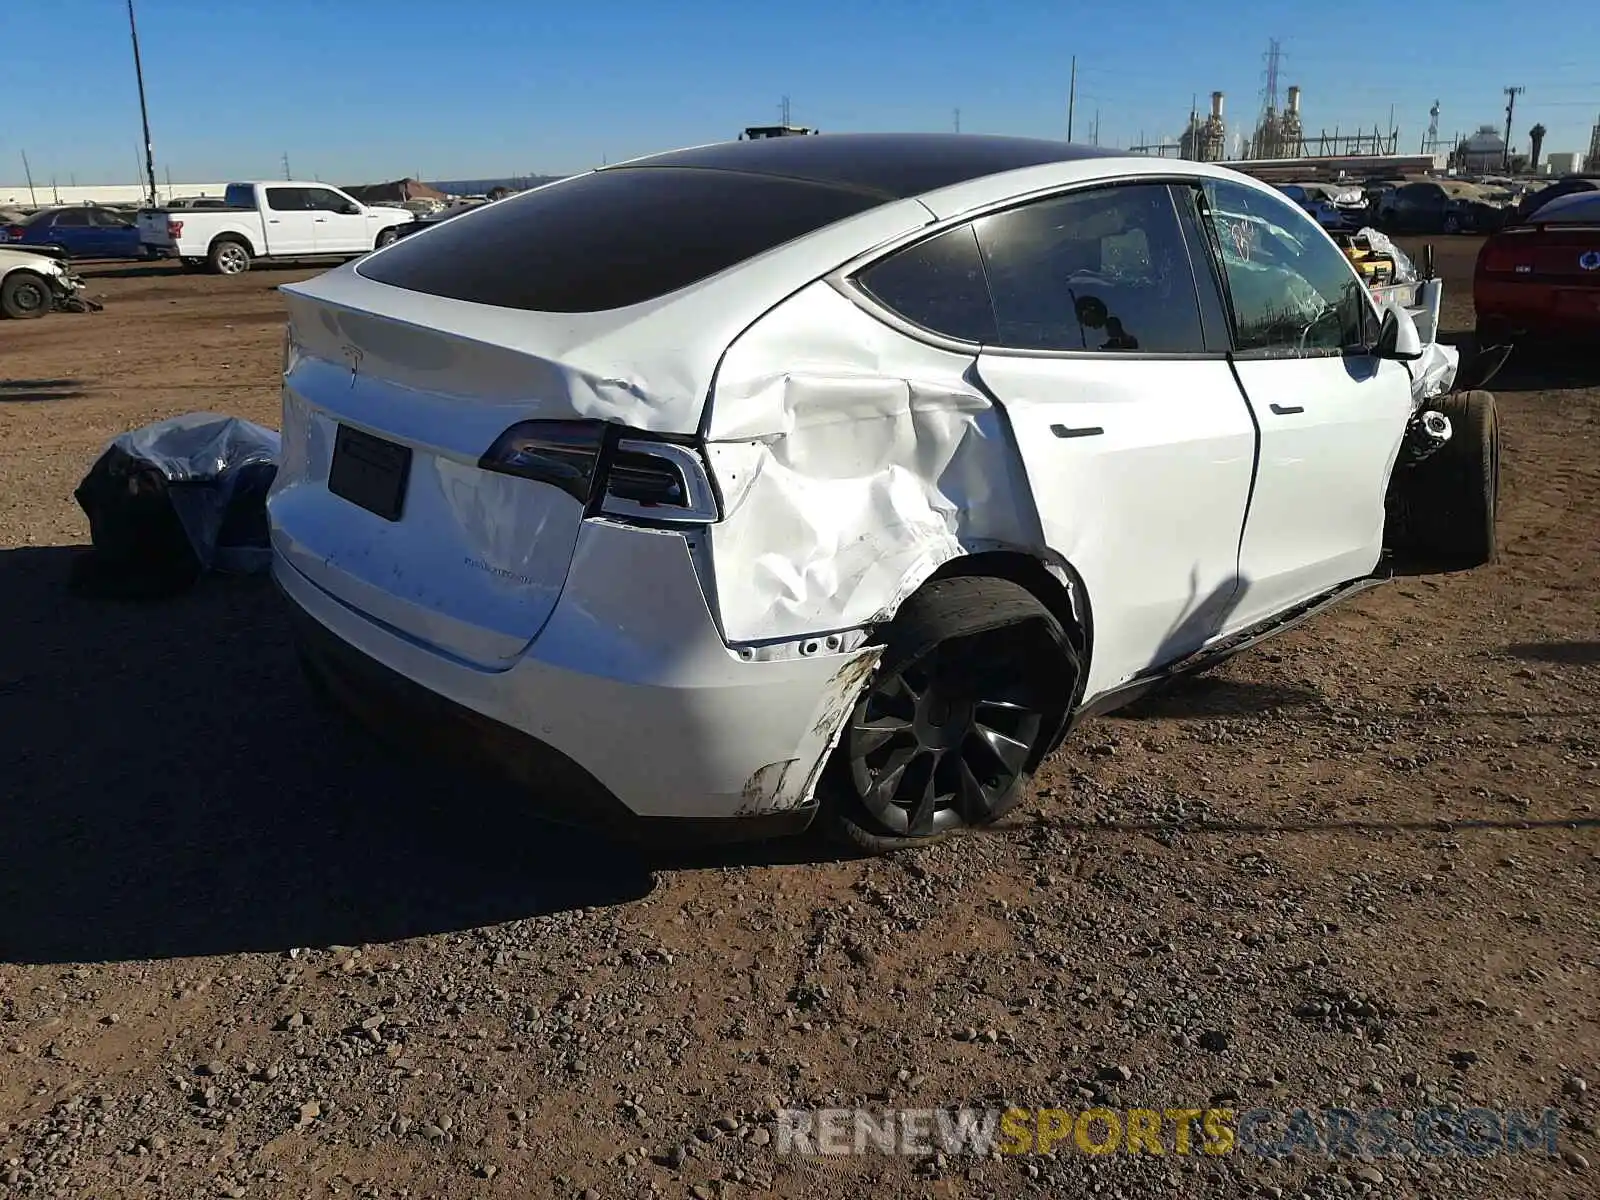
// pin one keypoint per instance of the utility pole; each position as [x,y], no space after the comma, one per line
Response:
[1097,127]
[1072,96]
[144,112]
[28,171]
[1511,103]
[958,120]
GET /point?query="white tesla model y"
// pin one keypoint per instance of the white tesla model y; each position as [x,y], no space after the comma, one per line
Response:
[840,474]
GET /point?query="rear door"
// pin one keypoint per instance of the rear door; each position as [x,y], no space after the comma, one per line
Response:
[1331,414]
[340,224]
[70,229]
[1137,444]
[288,220]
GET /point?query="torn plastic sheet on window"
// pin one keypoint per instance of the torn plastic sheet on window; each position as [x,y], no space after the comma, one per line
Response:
[170,500]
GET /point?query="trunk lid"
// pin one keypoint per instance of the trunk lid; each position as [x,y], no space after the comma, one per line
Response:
[475,560]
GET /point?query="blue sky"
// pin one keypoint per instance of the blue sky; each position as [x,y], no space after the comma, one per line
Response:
[376,89]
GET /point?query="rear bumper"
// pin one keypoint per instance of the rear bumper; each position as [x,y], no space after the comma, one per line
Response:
[627,710]
[1524,313]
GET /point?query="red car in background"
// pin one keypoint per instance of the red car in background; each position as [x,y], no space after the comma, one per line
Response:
[1539,280]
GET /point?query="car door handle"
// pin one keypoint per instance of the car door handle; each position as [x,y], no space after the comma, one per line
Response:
[1287,410]
[1063,431]
[320,221]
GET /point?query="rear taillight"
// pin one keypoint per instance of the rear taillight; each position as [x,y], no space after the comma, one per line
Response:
[15,233]
[174,230]
[609,470]
[1504,256]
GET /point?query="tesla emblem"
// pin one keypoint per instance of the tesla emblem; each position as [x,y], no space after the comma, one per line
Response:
[1590,261]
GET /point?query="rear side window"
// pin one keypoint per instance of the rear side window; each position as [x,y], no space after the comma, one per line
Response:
[72,217]
[937,284]
[287,199]
[240,195]
[611,238]
[1102,269]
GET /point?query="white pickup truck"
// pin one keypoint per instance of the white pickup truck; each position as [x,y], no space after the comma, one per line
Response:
[269,220]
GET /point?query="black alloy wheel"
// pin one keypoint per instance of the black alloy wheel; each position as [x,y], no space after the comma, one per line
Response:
[975,678]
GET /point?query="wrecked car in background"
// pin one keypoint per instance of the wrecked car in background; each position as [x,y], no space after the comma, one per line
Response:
[1336,207]
[37,280]
[839,475]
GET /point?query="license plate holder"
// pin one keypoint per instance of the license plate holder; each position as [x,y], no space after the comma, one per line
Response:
[369,472]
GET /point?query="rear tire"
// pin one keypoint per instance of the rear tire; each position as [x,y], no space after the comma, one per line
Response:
[228,256]
[973,686]
[386,237]
[1453,497]
[25,296]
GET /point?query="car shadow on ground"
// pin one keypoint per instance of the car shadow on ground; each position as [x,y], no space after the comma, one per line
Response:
[38,391]
[1206,697]
[1529,368]
[172,789]
[1571,654]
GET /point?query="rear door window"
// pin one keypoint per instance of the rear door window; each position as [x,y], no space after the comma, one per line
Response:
[613,238]
[72,218]
[1103,269]
[937,284]
[287,199]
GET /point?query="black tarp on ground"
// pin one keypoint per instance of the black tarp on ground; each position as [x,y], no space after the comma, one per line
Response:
[176,498]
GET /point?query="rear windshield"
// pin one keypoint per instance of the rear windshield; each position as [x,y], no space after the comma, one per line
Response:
[611,238]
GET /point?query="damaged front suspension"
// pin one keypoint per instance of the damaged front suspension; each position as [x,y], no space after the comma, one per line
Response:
[1426,433]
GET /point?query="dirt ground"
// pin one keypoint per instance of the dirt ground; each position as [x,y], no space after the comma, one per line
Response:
[243,952]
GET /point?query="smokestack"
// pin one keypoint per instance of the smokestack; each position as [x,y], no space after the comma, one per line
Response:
[1216,105]
[1294,99]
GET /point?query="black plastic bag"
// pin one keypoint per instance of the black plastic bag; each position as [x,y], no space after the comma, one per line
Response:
[174,499]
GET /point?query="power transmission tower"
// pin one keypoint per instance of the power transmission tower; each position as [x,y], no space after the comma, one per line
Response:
[783,108]
[1430,142]
[286,172]
[958,120]
[1511,103]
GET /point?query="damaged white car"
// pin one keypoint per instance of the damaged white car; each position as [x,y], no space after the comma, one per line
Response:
[841,474]
[34,282]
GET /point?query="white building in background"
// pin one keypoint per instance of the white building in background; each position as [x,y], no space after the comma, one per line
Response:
[1564,162]
[42,195]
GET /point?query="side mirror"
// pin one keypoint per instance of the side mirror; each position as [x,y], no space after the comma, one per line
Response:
[1398,337]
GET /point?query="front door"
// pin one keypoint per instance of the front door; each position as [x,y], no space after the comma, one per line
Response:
[290,224]
[1331,414]
[1138,445]
[338,229]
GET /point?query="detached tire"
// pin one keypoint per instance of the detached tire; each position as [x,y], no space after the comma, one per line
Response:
[1453,498]
[25,296]
[975,680]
